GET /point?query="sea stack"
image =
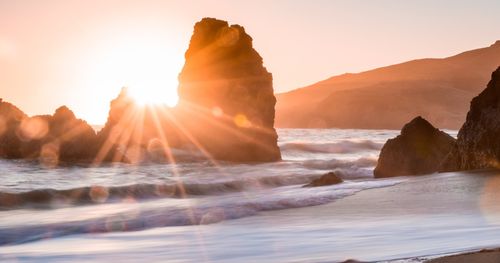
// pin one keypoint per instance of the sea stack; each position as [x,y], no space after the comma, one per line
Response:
[226,96]
[420,149]
[478,143]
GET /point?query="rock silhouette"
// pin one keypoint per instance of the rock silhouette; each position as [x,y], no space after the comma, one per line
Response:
[60,137]
[226,98]
[10,119]
[73,138]
[226,112]
[478,143]
[120,120]
[134,133]
[326,179]
[419,149]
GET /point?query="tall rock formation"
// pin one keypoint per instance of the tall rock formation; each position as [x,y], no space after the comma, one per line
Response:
[478,144]
[226,95]
[420,149]
[226,112]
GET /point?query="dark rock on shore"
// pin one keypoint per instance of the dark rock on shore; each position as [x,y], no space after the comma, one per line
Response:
[326,179]
[226,97]
[10,119]
[116,133]
[74,139]
[50,138]
[419,149]
[135,133]
[478,143]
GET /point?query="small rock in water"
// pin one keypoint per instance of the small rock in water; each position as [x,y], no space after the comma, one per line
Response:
[326,179]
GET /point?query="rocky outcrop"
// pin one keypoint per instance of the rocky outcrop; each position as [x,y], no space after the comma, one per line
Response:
[226,98]
[10,119]
[326,179]
[72,138]
[478,143]
[135,133]
[419,149]
[226,112]
[50,138]
[116,133]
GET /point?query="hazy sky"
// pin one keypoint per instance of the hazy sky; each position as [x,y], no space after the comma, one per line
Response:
[80,53]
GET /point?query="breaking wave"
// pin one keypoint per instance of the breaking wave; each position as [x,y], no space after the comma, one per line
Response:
[47,198]
[346,146]
[211,210]
[363,162]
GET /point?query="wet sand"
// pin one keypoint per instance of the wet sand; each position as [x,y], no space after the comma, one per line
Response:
[440,214]
[421,218]
[483,256]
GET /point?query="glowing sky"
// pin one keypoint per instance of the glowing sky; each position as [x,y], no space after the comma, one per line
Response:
[80,53]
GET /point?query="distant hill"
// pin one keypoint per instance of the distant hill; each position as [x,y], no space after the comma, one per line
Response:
[439,90]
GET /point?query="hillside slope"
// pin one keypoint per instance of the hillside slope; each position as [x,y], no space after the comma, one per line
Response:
[386,98]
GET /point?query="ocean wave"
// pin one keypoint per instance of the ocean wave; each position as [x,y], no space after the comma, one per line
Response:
[336,163]
[345,169]
[212,210]
[95,194]
[346,146]
[48,198]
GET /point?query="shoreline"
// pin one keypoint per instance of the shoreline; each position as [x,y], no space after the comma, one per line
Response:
[433,217]
[486,255]
[436,198]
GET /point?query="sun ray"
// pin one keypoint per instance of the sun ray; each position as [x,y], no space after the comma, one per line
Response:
[206,114]
[113,136]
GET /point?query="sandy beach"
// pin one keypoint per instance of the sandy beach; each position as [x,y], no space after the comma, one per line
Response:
[483,256]
[418,219]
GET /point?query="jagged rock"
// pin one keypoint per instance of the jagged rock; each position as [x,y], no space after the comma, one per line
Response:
[135,133]
[120,132]
[478,143]
[10,119]
[226,98]
[420,149]
[226,112]
[50,138]
[72,138]
[326,179]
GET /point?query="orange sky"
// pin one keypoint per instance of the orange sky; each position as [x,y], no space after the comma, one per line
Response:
[80,53]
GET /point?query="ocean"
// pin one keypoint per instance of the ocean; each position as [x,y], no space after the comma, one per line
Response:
[204,210]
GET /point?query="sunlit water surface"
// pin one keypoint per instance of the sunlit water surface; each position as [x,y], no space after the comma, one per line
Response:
[241,212]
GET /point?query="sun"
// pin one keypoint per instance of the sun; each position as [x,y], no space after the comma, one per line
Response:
[148,65]
[149,94]
[146,70]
